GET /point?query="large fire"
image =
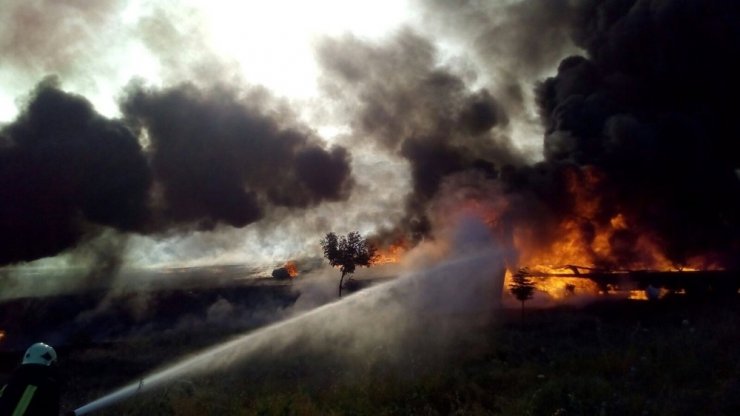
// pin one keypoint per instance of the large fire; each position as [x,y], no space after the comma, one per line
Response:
[584,253]
[584,239]
[563,255]
[595,245]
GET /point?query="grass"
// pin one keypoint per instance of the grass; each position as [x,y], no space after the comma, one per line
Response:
[674,357]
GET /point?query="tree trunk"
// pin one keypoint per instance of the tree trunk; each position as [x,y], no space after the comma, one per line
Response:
[340,284]
[522,320]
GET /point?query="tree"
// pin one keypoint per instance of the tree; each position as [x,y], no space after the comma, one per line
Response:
[522,287]
[347,252]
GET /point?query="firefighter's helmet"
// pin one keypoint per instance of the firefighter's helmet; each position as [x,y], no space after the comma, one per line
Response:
[40,353]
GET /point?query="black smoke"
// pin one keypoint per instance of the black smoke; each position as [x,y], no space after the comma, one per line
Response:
[67,173]
[64,170]
[652,106]
[216,160]
[397,95]
[647,107]
[642,123]
[515,41]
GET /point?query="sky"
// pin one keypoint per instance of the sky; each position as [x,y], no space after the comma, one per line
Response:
[99,50]
[180,133]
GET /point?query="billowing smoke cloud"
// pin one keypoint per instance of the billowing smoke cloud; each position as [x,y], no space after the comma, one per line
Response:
[640,136]
[515,41]
[651,107]
[216,160]
[513,44]
[399,96]
[526,35]
[641,125]
[51,34]
[64,171]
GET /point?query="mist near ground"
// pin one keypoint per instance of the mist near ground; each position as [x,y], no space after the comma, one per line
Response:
[411,317]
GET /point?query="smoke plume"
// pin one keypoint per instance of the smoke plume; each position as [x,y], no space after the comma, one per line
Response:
[397,94]
[64,172]
[650,107]
[52,34]
[216,160]
[515,42]
[639,131]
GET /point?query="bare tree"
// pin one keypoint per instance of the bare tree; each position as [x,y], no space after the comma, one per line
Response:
[347,252]
[522,287]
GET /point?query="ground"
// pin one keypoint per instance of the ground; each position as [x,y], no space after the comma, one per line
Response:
[677,356]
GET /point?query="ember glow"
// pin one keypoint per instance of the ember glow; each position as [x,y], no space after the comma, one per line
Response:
[561,288]
[638,295]
[391,254]
[291,268]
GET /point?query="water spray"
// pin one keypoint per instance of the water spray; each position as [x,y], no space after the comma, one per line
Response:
[405,293]
[235,348]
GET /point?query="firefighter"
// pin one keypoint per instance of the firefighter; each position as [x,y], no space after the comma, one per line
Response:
[33,389]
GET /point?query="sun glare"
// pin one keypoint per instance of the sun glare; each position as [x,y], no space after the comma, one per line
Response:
[273,40]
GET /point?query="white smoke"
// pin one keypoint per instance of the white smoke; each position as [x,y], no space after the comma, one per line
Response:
[426,306]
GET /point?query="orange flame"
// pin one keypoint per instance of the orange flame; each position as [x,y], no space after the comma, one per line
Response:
[391,254]
[560,288]
[586,238]
[595,236]
[638,295]
[2,335]
[291,268]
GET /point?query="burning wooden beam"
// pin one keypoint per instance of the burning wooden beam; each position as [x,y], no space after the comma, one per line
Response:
[693,281]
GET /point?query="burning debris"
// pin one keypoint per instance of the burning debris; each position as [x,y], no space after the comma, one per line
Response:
[286,272]
[576,282]
[291,268]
